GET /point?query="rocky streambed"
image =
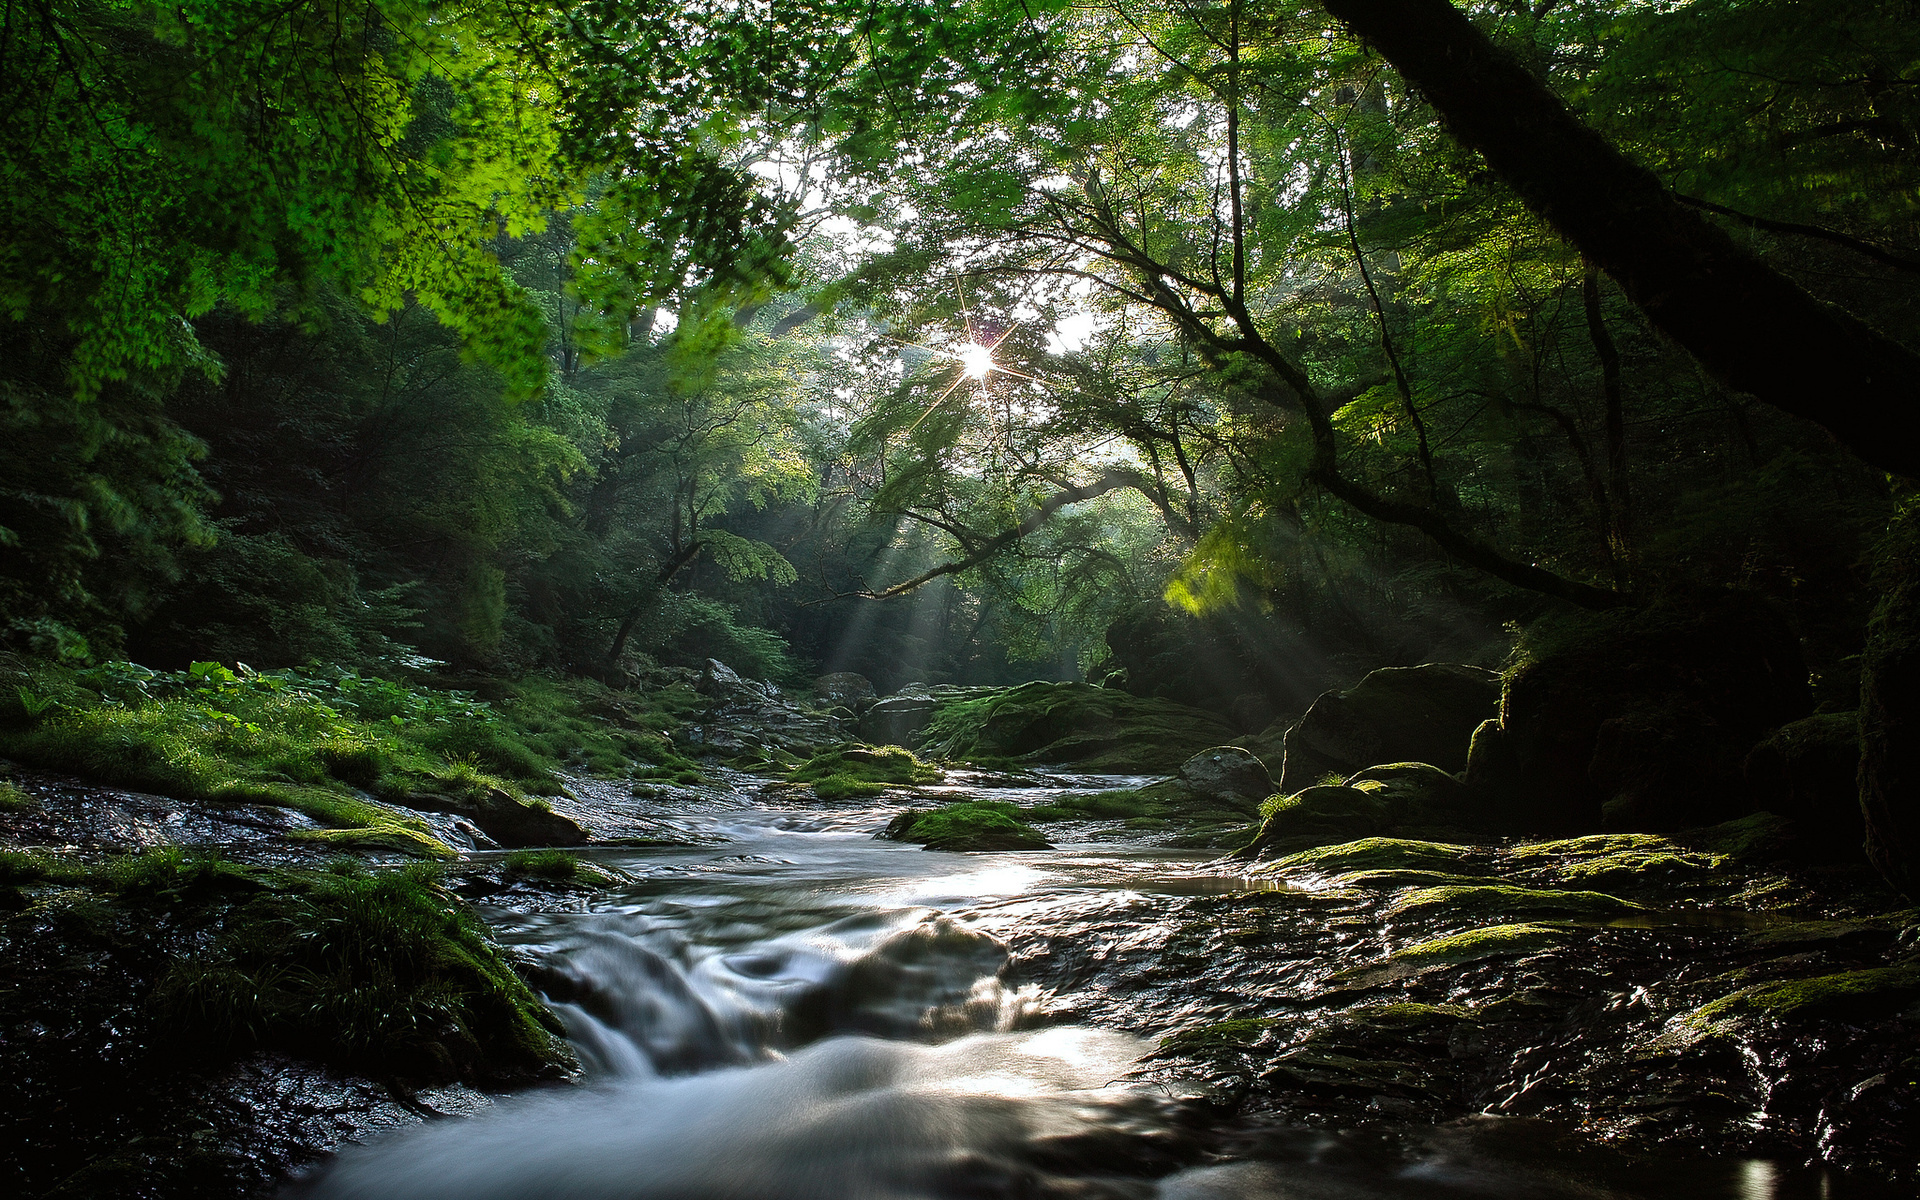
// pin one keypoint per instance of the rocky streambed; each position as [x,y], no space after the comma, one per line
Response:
[761,999]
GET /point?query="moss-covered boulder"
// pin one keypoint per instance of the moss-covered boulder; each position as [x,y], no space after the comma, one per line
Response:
[1417,801]
[1491,941]
[1096,729]
[1378,854]
[1808,771]
[851,771]
[1484,901]
[1316,816]
[970,825]
[1397,714]
[1872,992]
[1638,719]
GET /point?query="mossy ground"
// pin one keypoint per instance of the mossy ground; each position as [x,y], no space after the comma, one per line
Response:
[321,745]
[970,825]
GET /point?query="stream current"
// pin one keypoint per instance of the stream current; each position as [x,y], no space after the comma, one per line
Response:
[783,1007]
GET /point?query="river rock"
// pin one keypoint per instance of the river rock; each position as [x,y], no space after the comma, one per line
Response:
[1396,714]
[722,683]
[898,720]
[1227,773]
[1808,771]
[1638,720]
[507,820]
[842,689]
[1318,816]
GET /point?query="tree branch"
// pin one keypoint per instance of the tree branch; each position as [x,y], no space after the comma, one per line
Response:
[1042,513]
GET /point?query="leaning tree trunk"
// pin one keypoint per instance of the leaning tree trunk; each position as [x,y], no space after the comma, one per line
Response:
[1890,711]
[1751,326]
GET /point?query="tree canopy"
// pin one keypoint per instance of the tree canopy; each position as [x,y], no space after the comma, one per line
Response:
[932,339]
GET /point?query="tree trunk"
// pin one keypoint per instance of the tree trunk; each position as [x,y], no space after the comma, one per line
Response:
[1752,327]
[1890,711]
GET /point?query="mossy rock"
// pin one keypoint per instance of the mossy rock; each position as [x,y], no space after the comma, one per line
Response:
[1395,879]
[1638,719]
[1878,991]
[506,818]
[1374,854]
[1637,870]
[559,866]
[1202,820]
[1594,845]
[969,825]
[1491,900]
[1316,816]
[844,769]
[1407,1016]
[1493,941]
[1423,714]
[1098,729]
[1315,1069]
[1239,1033]
[1416,793]
[1757,837]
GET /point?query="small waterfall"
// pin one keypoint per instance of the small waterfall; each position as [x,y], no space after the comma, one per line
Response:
[639,998]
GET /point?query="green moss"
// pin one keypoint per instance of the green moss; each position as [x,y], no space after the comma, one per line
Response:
[1870,992]
[843,787]
[558,865]
[1241,1033]
[1392,880]
[379,970]
[1485,900]
[12,799]
[1638,869]
[1495,941]
[1374,854]
[1591,846]
[865,765]
[1411,1016]
[969,825]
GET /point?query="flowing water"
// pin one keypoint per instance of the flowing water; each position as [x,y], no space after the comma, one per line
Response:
[791,1009]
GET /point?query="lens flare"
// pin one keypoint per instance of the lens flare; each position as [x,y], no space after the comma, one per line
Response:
[976,361]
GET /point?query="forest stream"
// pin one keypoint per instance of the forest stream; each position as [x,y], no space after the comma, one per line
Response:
[783,1005]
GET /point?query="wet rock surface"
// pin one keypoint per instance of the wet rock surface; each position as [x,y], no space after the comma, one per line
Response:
[1701,1004]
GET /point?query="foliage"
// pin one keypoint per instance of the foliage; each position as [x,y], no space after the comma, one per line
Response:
[321,744]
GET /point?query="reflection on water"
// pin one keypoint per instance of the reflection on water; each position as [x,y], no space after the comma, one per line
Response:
[798,1010]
